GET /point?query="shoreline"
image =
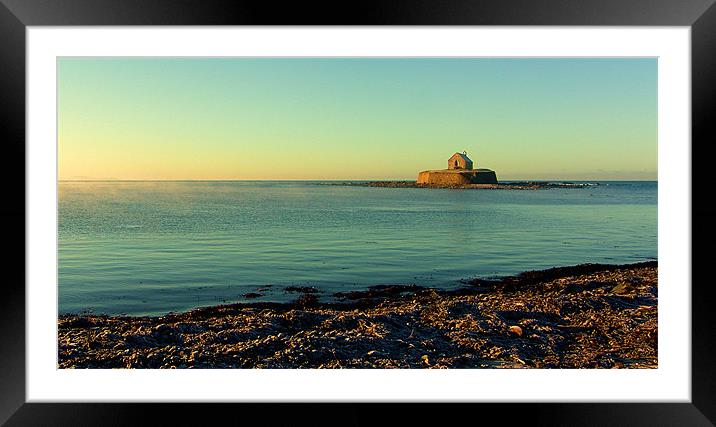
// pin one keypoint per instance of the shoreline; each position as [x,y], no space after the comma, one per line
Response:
[584,316]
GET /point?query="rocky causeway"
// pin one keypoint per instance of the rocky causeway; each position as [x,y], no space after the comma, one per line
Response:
[521,185]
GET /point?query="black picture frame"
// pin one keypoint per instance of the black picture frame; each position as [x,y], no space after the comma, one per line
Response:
[16,15]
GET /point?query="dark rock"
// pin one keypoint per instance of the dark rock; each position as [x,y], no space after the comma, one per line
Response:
[301,289]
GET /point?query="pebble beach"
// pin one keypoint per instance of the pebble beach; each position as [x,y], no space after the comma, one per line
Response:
[584,316]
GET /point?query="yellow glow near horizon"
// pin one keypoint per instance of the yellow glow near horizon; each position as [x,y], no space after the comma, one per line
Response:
[352,118]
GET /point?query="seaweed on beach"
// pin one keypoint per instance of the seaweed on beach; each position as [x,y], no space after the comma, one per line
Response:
[378,291]
[586,316]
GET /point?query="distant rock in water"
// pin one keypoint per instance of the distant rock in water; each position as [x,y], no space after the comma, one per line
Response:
[521,185]
[460,174]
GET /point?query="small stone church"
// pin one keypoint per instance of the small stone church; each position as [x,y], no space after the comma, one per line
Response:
[460,171]
[459,161]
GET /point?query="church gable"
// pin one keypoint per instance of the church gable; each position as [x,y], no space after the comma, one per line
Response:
[460,161]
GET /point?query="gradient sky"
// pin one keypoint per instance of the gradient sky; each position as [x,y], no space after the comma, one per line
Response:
[355,118]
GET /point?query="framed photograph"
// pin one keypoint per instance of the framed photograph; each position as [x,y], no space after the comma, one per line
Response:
[436,203]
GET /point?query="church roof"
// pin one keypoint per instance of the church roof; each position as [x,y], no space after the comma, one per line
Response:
[463,155]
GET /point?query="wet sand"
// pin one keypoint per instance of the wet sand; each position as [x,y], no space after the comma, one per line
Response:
[586,316]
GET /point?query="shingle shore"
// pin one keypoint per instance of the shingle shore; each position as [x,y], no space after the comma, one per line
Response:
[587,316]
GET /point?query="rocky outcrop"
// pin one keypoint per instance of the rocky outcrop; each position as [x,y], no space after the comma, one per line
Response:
[517,185]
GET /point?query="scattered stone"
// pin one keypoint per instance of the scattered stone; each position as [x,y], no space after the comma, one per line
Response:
[516,330]
[593,325]
[622,288]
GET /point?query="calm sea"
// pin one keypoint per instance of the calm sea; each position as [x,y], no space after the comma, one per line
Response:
[148,248]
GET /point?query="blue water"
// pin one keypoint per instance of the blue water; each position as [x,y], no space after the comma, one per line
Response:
[148,248]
